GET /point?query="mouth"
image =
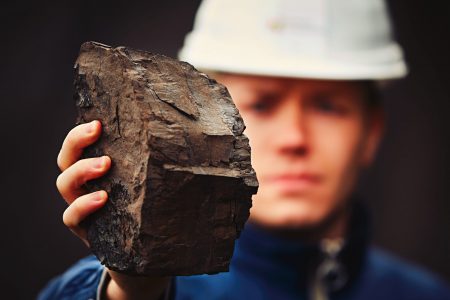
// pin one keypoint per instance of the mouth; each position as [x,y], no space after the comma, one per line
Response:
[294,183]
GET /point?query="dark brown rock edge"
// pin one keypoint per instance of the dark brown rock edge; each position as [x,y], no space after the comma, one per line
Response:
[181,181]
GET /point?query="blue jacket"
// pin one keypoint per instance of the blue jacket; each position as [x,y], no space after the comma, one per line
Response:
[265,266]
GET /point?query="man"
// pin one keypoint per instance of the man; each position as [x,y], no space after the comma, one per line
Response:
[302,74]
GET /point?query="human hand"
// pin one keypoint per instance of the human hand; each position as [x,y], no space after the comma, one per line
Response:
[76,172]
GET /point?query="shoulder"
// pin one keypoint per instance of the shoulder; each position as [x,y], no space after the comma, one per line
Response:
[390,275]
[80,281]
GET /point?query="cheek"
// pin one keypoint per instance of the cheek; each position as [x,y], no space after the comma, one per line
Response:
[258,143]
[337,146]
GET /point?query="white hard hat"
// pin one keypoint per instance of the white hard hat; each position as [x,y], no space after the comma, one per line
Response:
[322,39]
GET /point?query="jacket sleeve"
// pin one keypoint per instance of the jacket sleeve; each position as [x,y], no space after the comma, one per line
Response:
[86,280]
[81,281]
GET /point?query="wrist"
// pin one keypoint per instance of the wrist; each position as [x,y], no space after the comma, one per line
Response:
[124,287]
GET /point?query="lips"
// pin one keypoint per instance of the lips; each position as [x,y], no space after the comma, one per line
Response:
[294,183]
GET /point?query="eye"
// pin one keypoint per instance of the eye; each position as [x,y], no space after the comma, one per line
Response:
[327,104]
[263,104]
[260,107]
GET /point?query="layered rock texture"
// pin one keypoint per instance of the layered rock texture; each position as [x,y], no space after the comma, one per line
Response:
[181,181]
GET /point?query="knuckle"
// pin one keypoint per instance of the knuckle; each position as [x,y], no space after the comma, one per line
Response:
[76,171]
[59,161]
[68,218]
[71,139]
[82,172]
[58,182]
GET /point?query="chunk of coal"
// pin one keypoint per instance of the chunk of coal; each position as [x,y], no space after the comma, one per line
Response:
[181,181]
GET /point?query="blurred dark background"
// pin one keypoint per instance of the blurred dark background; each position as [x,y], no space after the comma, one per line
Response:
[408,189]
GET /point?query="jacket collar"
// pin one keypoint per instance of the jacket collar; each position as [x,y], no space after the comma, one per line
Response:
[296,262]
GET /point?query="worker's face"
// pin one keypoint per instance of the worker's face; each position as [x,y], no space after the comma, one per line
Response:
[309,139]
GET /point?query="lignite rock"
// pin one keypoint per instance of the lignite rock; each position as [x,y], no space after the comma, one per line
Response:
[181,181]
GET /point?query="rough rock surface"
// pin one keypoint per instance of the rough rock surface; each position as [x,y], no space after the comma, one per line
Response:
[181,181]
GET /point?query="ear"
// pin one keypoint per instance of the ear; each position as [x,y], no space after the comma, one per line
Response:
[375,130]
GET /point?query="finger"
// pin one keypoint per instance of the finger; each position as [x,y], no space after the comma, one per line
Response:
[80,209]
[76,140]
[70,182]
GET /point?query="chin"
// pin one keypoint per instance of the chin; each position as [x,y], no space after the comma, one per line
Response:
[288,212]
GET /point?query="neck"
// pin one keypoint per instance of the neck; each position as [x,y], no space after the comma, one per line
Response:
[333,227]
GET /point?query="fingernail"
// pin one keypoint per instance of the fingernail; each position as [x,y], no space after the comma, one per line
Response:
[91,127]
[100,162]
[98,196]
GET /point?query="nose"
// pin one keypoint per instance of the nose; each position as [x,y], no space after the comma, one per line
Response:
[292,138]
